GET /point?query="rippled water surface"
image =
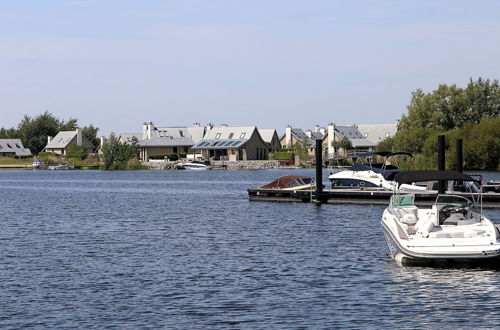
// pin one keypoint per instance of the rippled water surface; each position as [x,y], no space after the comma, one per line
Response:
[187,250]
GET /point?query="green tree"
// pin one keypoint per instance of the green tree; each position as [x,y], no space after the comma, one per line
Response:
[345,144]
[76,152]
[90,132]
[116,155]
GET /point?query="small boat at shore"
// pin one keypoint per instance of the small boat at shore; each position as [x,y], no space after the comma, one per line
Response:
[291,182]
[194,165]
[59,167]
[452,231]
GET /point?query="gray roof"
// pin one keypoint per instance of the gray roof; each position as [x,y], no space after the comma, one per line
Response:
[61,140]
[14,146]
[378,132]
[300,135]
[230,132]
[127,137]
[267,134]
[362,143]
[351,132]
[226,137]
[167,142]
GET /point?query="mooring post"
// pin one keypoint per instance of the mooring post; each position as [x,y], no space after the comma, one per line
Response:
[459,160]
[319,171]
[441,163]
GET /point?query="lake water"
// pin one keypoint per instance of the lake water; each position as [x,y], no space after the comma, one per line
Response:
[187,250]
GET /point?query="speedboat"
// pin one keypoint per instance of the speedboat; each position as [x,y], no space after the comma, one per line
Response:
[196,165]
[291,182]
[370,174]
[453,230]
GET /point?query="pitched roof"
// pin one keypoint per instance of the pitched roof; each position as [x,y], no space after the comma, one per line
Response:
[378,132]
[61,140]
[230,132]
[351,132]
[267,134]
[127,137]
[14,146]
[167,142]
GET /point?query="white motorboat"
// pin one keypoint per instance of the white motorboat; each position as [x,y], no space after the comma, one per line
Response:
[196,165]
[370,174]
[452,230]
[61,166]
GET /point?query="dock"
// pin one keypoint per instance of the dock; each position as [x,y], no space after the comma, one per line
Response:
[365,196]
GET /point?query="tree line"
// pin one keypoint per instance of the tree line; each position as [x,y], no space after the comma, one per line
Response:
[471,114]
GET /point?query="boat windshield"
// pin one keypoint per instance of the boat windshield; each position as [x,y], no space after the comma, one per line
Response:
[453,200]
[403,201]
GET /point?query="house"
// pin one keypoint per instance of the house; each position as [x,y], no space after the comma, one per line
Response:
[13,147]
[60,143]
[169,140]
[296,136]
[270,136]
[363,137]
[233,143]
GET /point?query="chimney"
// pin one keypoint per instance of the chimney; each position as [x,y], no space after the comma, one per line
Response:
[147,128]
[208,127]
[224,125]
[322,130]
[309,133]
[102,140]
[196,125]
[316,129]
[288,136]
[49,138]
[79,138]
[331,136]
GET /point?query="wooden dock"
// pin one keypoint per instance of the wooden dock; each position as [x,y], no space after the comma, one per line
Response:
[366,196]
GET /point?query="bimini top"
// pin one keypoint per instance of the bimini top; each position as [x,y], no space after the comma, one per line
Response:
[384,153]
[431,175]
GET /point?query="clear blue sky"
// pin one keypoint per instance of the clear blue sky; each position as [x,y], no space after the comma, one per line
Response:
[116,64]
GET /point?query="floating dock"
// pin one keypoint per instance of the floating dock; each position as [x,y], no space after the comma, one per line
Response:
[366,196]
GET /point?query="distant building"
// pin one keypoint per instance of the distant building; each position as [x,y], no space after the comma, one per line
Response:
[60,143]
[168,140]
[13,148]
[270,136]
[296,136]
[363,137]
[233,143]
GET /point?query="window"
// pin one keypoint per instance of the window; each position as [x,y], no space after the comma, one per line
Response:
[242,136]
[230,135]
[161,133]
[387,134]
[8,145]
[217,136]
[181,133]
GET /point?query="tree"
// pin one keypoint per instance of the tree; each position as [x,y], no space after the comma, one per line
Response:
[90,132]
[116,154]
[345,144]
[76,152]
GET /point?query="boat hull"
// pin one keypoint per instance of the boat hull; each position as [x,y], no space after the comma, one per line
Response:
[405,256]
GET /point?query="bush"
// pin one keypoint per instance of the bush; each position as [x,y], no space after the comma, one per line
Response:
[283,155]
[159,156]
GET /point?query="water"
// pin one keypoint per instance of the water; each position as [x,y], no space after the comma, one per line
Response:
[187,250]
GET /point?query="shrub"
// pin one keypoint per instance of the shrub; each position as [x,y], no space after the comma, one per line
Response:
[283,155]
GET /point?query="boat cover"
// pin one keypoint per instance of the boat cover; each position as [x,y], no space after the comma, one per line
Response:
[432,175]
[288,181]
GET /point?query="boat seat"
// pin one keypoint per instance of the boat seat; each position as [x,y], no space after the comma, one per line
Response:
[408,215]
[458,219]
[439,232]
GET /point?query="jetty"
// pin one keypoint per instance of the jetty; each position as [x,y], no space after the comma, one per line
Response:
[367,195]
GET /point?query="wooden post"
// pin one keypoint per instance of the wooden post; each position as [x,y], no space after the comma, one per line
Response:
[319,171]
[441,163]
[459,159]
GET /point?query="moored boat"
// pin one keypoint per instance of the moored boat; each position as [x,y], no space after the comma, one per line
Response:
[291,182]
[453,230]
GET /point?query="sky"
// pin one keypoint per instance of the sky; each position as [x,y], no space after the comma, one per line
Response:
[116,64]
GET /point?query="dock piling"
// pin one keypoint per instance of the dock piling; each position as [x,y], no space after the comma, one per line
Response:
[319,172]
[441,163]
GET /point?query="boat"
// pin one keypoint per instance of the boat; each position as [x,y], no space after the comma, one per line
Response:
[291,182]
[37,163]
[61,166]
[452,231]
[196,165]
[370,174]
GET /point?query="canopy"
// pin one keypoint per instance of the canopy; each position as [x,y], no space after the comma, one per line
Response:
[431,175]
